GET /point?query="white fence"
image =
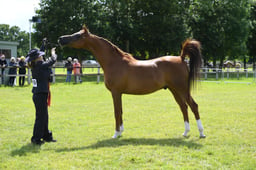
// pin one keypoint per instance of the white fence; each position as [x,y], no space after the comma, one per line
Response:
[228,73]
[28,74]
[207,74]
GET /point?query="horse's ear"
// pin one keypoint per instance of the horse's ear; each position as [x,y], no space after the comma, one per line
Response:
[86,29]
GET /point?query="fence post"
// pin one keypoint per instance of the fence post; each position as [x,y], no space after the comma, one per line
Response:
[217,74]
[53,75]
[98,75]
[237,74]
[222,74]
[254,74]
[1,75]
[15,80]
[205,73]
[76,78]
[29,76]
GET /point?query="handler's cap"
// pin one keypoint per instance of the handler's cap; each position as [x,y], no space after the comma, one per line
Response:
[34,54]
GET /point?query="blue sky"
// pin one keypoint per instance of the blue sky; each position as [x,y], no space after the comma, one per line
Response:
[18,12]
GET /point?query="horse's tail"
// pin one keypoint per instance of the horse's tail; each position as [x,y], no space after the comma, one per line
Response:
[192,49]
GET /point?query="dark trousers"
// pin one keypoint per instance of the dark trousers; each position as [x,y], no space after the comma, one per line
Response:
[41,122]
[2,74]
[22,74]
[11,81]
[21,80]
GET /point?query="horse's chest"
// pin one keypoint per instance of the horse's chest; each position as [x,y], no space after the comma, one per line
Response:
[114,81]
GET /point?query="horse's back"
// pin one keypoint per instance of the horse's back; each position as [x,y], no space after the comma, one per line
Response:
[142,77]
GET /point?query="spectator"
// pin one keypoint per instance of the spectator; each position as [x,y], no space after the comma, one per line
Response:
[69,67]
[3,64]
[77,71]
[12,71]
[22,70]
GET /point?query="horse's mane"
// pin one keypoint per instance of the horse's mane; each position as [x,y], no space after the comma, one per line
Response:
[115,48]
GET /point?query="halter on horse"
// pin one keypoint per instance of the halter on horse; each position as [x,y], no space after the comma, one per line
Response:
[123,74]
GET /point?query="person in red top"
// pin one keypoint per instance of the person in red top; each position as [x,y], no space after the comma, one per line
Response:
[77,71]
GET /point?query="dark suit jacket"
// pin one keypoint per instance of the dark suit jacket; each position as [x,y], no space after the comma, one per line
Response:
[41,76]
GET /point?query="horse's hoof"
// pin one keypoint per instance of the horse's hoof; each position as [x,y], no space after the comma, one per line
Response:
[202,136]
[185,136]
[117,135]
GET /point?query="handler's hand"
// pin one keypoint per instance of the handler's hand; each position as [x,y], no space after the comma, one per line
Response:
[54,55]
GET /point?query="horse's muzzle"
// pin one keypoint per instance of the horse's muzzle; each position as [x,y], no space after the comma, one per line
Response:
[67,39]
[64,40]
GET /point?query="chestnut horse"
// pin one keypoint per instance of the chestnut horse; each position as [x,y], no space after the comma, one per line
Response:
[123,74]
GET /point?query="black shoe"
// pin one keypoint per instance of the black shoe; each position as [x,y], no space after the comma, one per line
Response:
[48,137]
[50,140]
[37,142]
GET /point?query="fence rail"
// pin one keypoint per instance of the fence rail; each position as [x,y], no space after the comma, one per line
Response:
[4,75]
[228,73]
[207,74]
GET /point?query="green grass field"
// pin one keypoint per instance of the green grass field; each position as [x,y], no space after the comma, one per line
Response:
[82,120]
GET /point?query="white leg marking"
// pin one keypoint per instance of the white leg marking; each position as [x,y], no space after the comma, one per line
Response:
[122,128]
[187,129]
[200,128]
[117,134]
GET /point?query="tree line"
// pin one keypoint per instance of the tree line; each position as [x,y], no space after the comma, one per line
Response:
[149,28]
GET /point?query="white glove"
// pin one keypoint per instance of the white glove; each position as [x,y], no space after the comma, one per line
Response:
[54,55]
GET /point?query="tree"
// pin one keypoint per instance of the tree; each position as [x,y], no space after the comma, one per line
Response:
[221,26]
[59,17]
[8,33]
[117,20]
[160,27]
[251,44]
[148,28]
[137,26]
[23,47]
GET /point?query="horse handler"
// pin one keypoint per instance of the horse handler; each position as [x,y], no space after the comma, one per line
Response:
[41,94]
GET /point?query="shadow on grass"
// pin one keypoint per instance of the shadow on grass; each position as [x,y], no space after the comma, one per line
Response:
[28,148]
[176,142]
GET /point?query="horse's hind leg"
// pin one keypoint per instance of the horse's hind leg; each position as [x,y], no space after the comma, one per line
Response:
[194,107]
[184,109]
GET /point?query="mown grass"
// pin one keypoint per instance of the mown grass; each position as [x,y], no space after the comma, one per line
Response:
[82,120]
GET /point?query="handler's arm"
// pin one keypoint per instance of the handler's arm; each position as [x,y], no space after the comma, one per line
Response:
[52,59]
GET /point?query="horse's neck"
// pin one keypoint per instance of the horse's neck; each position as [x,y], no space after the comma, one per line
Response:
[104,52]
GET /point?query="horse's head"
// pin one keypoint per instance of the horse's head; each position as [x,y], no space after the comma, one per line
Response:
[76,40]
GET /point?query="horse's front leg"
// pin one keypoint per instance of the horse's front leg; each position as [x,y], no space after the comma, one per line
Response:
[117,100]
